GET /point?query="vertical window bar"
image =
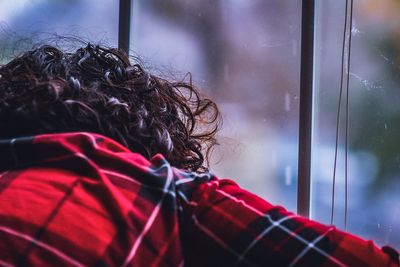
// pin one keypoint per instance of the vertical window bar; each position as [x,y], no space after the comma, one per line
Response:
[305,114]
[124,24]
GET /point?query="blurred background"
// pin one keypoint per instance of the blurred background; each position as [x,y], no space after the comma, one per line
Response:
[246,56]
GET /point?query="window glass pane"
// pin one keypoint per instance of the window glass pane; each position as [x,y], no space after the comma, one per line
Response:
[374,119]
[245,55]
[25,22]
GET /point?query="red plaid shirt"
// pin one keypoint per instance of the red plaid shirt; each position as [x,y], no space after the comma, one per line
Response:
[80,199]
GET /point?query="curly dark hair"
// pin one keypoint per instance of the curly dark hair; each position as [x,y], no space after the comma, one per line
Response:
[98,89]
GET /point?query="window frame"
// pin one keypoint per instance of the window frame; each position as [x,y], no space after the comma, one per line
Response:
[306,107]
[124,24]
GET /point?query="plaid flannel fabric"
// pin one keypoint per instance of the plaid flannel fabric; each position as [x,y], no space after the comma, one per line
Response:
[80,199]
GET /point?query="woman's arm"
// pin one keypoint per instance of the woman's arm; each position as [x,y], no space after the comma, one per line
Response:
[224,225]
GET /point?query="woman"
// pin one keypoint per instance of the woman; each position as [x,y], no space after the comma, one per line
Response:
[103,164]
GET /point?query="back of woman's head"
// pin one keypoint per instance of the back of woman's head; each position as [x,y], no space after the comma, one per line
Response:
[99,90]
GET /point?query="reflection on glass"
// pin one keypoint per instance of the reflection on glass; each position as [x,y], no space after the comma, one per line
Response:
[244,54]
[374,146]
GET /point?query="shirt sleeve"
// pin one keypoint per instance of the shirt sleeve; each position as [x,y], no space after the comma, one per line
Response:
[224,225]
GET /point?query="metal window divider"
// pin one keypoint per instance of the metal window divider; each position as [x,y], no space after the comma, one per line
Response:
[306,106]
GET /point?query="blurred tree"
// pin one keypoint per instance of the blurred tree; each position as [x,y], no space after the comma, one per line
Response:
[375,113]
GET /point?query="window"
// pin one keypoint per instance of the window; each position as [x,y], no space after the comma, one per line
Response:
[25,22]
[246,55]
[374,120]
[247,58]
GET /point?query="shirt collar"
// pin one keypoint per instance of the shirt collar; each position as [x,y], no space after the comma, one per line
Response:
[30,150]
